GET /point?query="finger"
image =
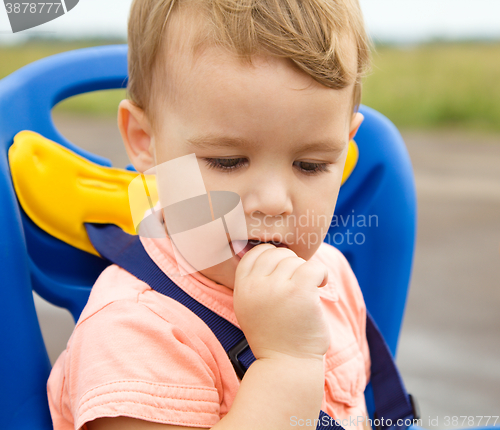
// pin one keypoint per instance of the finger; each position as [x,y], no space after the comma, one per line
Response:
[311,273]
[246,263]
[287,267]
[267,261]
[325,280]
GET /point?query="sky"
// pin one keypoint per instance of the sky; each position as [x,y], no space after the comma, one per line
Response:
[398,21]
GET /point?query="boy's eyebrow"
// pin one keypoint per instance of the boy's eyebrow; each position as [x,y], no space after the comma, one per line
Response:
[216,141]
[213,140]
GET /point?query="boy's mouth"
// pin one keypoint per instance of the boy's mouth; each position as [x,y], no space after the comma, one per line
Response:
[253,243]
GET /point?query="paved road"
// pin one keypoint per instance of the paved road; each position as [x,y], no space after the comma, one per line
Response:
[450,343]
[449,352]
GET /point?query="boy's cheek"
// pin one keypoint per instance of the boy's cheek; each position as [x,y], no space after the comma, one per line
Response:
[307,243]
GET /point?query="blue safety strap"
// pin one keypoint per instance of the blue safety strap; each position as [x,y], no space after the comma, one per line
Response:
[392,403]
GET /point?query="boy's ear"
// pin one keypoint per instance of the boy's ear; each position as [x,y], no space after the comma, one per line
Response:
[136,134]
[357,119]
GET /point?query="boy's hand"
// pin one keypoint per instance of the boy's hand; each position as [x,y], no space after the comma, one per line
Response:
[277,303]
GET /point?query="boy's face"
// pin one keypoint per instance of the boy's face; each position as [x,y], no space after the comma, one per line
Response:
[267,132]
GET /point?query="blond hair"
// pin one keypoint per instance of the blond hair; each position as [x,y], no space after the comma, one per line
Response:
[314,34]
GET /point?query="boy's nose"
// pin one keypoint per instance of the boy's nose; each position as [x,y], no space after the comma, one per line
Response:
[270,196]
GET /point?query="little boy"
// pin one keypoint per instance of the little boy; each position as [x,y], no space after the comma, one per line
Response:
[265,94]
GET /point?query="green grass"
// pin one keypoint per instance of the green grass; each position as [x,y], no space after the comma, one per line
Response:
[96,103]
[437,85]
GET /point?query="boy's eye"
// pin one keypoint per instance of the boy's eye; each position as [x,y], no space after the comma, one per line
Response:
[311,168]
[225,164]
[231,164]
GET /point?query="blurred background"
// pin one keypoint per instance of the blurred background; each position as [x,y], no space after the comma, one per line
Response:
[436,75]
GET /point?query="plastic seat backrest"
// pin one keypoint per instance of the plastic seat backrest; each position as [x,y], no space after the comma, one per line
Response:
[381,185]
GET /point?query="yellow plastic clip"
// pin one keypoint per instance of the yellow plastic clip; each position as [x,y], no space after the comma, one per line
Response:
[351,161]
[60,190]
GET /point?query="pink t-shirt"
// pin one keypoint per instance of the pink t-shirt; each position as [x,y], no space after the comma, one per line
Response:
[137,353]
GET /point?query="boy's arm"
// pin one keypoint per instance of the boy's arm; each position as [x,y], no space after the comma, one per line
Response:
[274,394]
[366,424]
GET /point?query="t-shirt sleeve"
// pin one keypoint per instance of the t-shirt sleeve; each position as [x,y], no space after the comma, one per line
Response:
[349,279]
[127,360]
[347,361]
